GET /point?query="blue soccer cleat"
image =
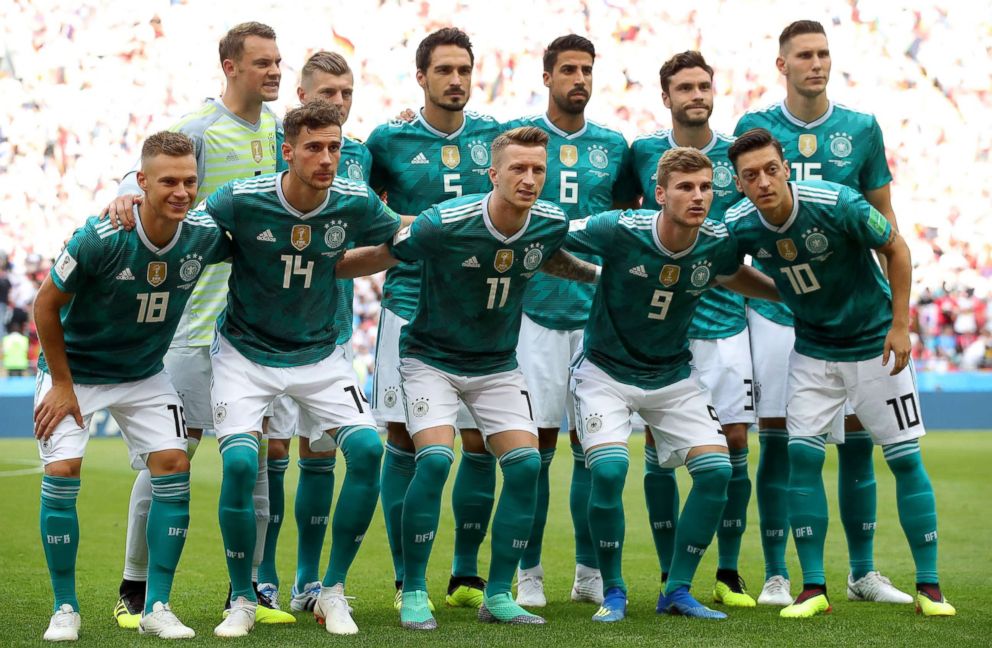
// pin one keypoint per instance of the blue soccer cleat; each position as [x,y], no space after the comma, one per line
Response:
[614,607]
[680,602]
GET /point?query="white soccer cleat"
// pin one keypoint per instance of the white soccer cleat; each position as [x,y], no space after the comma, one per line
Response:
[876,588]
[239,621]
[162,623]
[530,587]
[332,610]
[64,625]
[271,592]
[776,592]
[305,600]
[588,585]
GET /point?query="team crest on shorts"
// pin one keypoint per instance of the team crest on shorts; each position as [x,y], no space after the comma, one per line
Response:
[533,255]
[669,275]
[816,242]
[807,144]
[157,271]
[598,157]
[191,266]
[300,237]
[450,156]
[593,424]
[787,249]
[220,413]
[503,261]
[256,151]
[334,235]
[420,407]
[700,274]
[840,145]
[568,154]
[389,398]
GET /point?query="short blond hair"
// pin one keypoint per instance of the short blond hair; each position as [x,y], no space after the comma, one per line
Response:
[523,136]
[166,143]
[327,62]
[681,159]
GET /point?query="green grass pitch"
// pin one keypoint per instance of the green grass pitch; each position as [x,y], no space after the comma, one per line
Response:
[957,462]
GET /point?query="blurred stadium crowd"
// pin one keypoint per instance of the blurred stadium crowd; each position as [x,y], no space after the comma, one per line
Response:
[82,82]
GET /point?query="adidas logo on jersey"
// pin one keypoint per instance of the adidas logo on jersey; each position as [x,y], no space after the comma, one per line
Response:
[125,275]
[420,158]
[763,254]
[470,263]
[266,236]
[639,271]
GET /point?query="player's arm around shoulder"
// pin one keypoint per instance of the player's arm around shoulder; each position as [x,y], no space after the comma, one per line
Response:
[752,283]
[900,273]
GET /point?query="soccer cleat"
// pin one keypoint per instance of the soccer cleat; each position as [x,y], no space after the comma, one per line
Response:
[929,606]
[501,608]
[876,588]
[128,610]
[465,591]
[681,603]
[530,587]
[415,613]
[398,600]
[776,592]
[271,592]
[808,604]
[588,585]
[333,612]
[264,612]
[162,623]
[64,625]
[733,595]
[614,607]
[304,601]
[239,619]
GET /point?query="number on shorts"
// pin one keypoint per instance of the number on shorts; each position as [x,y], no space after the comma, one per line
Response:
[494,284]
[712,411]
[906,411]
[801,278]
[152,307]
[749,395]
[530,410]
[356,394]
[179,416]
[661,300]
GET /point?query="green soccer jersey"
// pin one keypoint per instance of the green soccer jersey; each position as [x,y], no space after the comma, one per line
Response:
[646,296]
[584,177]
[843,146]
[821,260]
[128,295]
[472,282]
[283,293]
[721,312]
[418,166]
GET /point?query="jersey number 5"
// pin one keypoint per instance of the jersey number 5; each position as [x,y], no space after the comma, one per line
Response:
[449,183]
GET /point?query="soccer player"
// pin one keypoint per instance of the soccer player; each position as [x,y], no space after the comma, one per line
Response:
[822,140]
[461,348]
[718,336]
[443,153]
[278,336]
[583,178]
[817,238]
[326,76]
[234,137]
[142,279]
[636,358]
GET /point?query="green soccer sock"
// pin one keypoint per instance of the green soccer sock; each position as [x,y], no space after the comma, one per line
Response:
[772,481]
[917,506]
[421,511]
[514,516]
[858,500]
[699,519]
[578,505]
[60,536]
[661,494]
[808,504]
[168,524]
[734,520]
[472,500]
[267,572]
[608,465]
[362,452]
[532,554]
[398,467]
[236,510]
[314,494]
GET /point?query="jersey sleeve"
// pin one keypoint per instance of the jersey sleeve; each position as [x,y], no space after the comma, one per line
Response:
[625,187]
[875,173]
[194,131]
[383,222]
[380,172]
[744,124]
[220,206]
[863,222]
[219,247]
[728,261]
[421,239]
[79,260]
[593,234]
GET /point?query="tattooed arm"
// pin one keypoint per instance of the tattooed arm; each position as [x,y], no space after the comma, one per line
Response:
[565,266]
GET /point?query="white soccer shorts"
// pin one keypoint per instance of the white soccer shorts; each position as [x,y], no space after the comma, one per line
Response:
[544,355]
[189,368]
[680,415]
[889,406]
[724,368]
[387,392]
[326,391]
[771,345]
[148,412]
[497,402]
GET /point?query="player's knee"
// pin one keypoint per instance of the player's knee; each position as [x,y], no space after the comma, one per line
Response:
[69,468]
[472,441]
[521,466]
[736,434]
[361,448]
[433,467]
[278,449]
[397,435]
[168,462]
[713,479]
[609,477]
[241,465]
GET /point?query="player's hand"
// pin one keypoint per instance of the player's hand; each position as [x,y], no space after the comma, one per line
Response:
[897,343]
[406,115]
[121,211]
[58,403]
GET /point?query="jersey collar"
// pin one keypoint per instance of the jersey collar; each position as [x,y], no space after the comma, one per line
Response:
[293,210]
[704,150]
[441,134]
[147,243]
[230,115]
[813,124]
[559,132]
[662,248]
[492,228]
[792,217]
